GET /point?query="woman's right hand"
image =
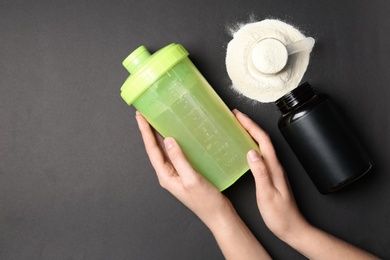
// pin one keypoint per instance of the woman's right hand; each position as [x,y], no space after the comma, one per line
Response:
[279,210]
[275,200]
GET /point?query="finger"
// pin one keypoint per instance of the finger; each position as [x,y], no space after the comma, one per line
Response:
[268,152]
[153,149]
[261,137]
[160,143]
[256,132]
[263,179]
[179,161]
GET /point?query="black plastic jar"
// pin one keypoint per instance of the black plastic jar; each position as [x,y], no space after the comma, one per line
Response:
[319,136]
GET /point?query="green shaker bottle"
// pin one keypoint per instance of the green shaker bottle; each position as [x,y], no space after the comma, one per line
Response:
[169,91]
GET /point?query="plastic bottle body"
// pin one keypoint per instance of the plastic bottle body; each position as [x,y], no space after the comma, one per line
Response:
[322,140]
[181,104]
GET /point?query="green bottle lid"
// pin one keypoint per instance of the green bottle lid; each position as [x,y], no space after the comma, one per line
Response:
[145,68]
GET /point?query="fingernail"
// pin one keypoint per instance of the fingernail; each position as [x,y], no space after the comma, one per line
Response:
[253,155]
[239,112]
[168,142]
[137,113]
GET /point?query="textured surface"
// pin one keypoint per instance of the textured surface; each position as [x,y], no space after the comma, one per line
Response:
[74,179]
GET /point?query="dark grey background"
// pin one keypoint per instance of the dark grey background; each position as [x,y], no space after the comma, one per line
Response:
[75,182]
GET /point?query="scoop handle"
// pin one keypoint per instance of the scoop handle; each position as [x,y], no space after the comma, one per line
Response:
[301,45]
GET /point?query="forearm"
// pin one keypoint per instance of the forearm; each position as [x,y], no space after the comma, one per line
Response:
[235,239]
[317,244]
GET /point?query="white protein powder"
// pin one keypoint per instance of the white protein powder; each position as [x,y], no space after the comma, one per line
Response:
[269,56]
[251,82]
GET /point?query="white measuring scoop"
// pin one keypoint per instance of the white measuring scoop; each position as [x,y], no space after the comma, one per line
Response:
[270,56]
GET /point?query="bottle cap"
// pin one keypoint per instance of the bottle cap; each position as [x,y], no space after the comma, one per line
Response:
[146,68]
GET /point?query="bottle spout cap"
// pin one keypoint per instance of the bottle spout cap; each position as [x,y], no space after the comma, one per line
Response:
[135,59]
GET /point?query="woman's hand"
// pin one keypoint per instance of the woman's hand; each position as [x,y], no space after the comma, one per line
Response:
[274,197]
[279,210]
[176,175]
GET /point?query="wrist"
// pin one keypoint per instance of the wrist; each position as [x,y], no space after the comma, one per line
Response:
[234,238]
[301,238]
[296,232]
[223,219]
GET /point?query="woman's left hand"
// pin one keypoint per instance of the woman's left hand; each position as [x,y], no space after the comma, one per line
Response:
[176,175]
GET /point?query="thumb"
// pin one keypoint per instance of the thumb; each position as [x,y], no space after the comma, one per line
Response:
[260,172]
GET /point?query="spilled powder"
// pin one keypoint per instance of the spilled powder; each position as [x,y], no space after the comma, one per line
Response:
[252,83]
